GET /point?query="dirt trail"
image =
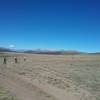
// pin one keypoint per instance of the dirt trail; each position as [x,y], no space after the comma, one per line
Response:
[54,91]
[25,89]
[20,88]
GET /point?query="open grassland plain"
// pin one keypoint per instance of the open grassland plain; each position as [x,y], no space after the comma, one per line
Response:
[51,77]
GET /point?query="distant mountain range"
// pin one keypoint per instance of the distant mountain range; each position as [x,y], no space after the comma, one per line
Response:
[55,52]
[96,53]
[5,49]
[46,51]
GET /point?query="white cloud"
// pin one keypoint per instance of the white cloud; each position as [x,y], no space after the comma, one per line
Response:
[11,46]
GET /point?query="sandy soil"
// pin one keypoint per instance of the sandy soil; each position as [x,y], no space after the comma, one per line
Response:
[50,77]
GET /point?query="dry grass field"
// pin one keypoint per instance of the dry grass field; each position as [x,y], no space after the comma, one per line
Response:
[51,77]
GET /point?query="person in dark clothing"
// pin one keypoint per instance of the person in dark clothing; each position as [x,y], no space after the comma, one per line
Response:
[5,60]
[16,60]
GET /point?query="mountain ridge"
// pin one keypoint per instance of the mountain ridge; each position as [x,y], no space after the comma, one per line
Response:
[46,51]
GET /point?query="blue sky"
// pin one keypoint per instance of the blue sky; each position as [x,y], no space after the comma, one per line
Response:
[53,24]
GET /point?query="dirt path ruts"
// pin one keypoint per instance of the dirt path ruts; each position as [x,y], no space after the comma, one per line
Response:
[25,89]
[22,89]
